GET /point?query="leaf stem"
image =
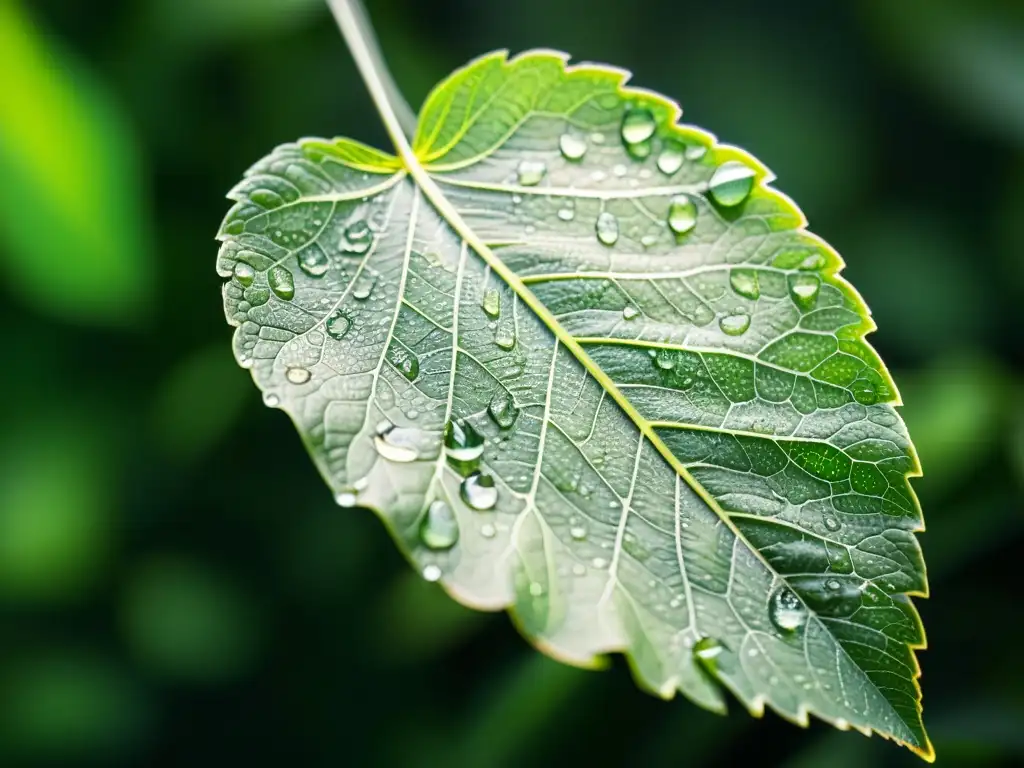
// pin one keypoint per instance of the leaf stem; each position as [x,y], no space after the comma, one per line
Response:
[355,26]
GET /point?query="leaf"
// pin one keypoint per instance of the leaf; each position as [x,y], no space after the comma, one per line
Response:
[587,365]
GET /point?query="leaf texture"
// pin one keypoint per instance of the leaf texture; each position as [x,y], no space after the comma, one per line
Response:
[589,366]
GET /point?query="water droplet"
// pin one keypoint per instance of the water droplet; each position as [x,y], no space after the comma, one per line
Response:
[629,312]
[488,531]
[735,325]
[478,492]
[568,210]
[297,375]
[832,523]
[271,400]
[314,262]
[599,562]
[598,176]
[682,214]
[671,158]
[281,282]
[462,443]
[663,359]
[648,240]
[492,302]
[404,360]
[620,170]
[431,572]
[536,589]
[345,499]
[439,529]
[833,584]
[572,145]
[864,392]
[745,283]
[358,238]
[804,290]
[337,325]
[579,570]
[530,172]
[362,291]
[813,262]
[607,228]
[706,651]
[578,532]
[390,447]
[597,138]
[637,125]
[244,273]
[639,151]
[731,183]
[696,151]
[786,611]
[505,338]
[502,409]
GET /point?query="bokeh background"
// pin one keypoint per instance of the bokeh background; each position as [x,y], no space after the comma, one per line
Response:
[176,584]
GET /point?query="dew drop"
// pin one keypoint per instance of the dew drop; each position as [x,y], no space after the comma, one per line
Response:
[745,283]
[599,562]
[439,529]
[362,291]
[629,312]
[358,238]
[491,302]
[530,172]
[462,443]
[297,375]
[505,338]
[337,325]
[864,392]
[488,531]
[405,361]
[607,228]
[244,273]
[786,611]
[579,570]
[431,572]
[671,158]
[478,492]
[502,409]
[731,183]
[578,532]
[648,240]
[572,146]
[682,214]
[536,589]
[314,262]
[813,262]
[345,499]
[639,151]
[804,290]
[831,523]
[735,325]
[833,584]
[706,651]
[696,151]
[271,400]
[620,170]
[281,282]
[663,360]
[390,447]
[568,210]
[637,125]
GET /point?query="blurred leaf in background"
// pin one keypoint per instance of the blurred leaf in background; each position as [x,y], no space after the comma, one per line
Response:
[73,229]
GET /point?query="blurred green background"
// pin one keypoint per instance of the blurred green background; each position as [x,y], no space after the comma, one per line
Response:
[176,584]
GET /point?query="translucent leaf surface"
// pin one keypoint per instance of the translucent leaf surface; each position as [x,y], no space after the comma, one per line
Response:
[587,365]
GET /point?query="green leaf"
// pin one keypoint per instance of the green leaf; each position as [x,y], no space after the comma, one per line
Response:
[588,366]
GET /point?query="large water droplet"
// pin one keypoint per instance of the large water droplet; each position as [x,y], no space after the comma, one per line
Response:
[502,409]
[439,528]
[478,492]
[804,290]
[637,125]
[735,325]
[390,444]
[337,325]
[706,651]
[492,302]
[671,158]
[682,214]
[731,183]
[463,444]
[297,375]
[745,283]
[405,361]
[505,338]
[358,238]
[281,282]
[607,228]
[786,611]
[572,146]
[244,273]
[530,172]
[864,392]
[314,262]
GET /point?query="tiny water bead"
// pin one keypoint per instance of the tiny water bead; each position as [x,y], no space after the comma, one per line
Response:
[568,210]
[479,492]
[362,291]
[439,529]
[578,532]
[731,183]
[491,302]
[682,214]
[864,392]
[389,446]
[530,172]
[671,158]
[813,262]
[505,338]
[462,443]
[281,282]
[502,409]
[358,238]
[629,312]
[637,125]
[432,573]
[345,499]
[607,228]
[271,400]
[572,146]
[244,273]
[536,589]
[786,611]
[338,325]
[804,290]
[405,361]
[706,651]
[831,523]
[314,262]
[735,325]
[297,375]
[488,531]
[696,151]
[745,283]
[641,150]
